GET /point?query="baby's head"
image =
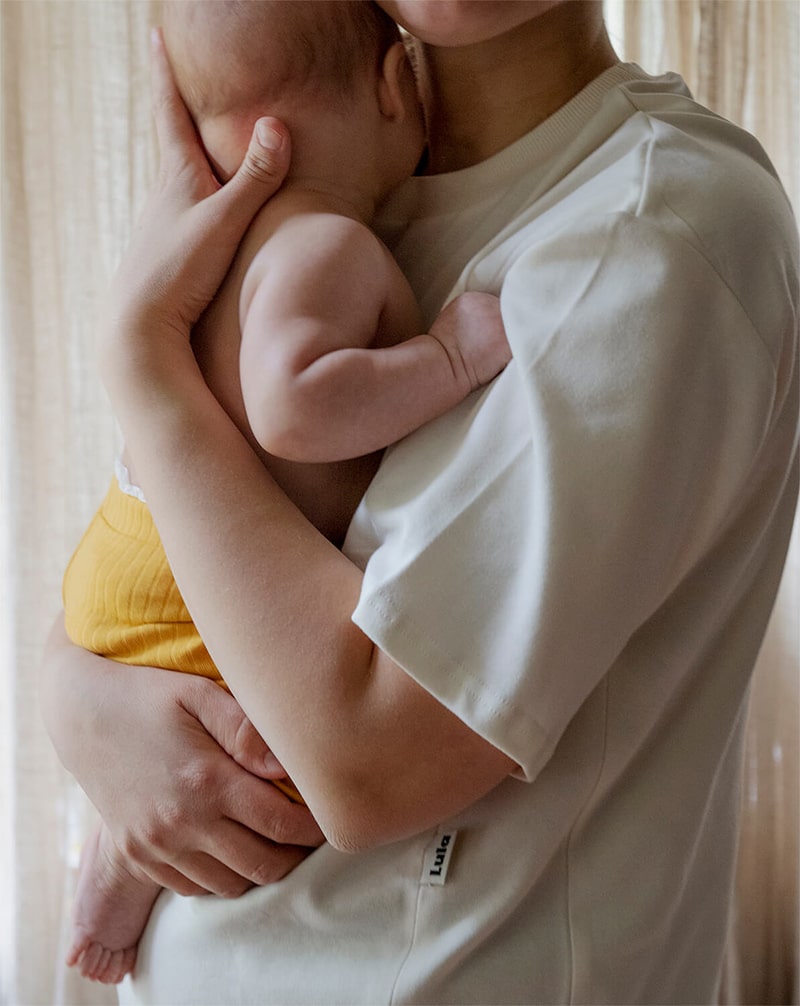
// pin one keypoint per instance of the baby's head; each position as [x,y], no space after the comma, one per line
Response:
[235,60]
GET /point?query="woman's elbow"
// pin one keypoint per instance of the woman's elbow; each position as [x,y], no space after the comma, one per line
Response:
[359,822]
[353,835]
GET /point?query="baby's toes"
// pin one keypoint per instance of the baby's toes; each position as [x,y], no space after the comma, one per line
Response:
[120,963]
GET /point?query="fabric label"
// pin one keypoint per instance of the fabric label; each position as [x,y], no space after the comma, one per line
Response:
[437,858]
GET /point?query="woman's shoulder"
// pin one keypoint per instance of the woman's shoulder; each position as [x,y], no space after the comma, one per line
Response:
[699,166]
[670,193]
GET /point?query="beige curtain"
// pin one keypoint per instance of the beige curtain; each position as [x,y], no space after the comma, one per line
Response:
[742,58]
[77,154]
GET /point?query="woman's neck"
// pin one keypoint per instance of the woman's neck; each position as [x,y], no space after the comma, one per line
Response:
[481,98]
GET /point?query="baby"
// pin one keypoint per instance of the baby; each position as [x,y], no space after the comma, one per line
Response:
[313,344]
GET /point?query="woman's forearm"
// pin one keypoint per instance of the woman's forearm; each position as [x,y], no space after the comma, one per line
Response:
[273,601]
[270,596]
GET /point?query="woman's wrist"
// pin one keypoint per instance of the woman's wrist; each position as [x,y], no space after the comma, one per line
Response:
[143,361]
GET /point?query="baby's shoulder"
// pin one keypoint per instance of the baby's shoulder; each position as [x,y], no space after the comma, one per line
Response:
[299,244]
[310,234]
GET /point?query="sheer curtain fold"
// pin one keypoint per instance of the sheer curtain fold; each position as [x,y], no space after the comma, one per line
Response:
[77,152]
[77,155]
[742,58]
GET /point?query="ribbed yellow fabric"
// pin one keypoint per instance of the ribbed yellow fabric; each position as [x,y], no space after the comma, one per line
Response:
[121,600]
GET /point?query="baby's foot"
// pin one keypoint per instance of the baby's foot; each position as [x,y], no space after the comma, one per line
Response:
[112,905]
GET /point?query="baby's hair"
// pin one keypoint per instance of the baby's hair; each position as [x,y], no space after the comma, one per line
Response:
[256,50]
[333,40]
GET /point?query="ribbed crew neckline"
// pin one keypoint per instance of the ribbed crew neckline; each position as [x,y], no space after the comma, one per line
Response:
[446,192]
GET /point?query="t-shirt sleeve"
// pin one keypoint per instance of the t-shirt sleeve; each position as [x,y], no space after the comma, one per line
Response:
[524,538]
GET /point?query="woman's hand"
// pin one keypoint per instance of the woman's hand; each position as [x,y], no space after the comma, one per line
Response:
[149,748]
[191,225]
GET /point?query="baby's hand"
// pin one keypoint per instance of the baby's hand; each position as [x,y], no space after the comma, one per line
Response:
[471,329]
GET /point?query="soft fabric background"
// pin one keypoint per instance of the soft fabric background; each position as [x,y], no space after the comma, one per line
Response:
[77,153]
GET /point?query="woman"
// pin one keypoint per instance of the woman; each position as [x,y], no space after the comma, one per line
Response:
[524,716]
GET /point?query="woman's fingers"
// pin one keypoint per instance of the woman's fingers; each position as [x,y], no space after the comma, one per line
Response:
[223,718]
[176,804]
[259,863]
[232,859]
[177,137]
[213,824]
[229,211]
[187,235]
[264,810]
[248,860]
[189,230]
[263,169]
[200,874]
[217,854]
[173,880]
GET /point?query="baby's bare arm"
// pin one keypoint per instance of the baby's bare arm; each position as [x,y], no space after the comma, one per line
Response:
[314,387]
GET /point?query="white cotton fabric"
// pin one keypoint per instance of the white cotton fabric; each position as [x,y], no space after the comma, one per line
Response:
[579,561]
[123,477]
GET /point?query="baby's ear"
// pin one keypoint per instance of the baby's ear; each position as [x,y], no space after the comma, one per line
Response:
[396,87]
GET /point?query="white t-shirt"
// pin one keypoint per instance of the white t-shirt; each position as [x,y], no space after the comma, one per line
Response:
[579,561]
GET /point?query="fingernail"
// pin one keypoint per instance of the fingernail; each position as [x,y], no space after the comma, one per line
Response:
[267,136]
